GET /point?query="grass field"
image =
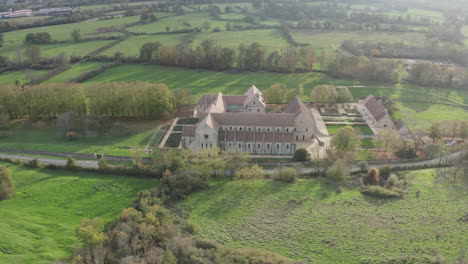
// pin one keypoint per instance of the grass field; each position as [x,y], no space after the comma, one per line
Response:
[332,39]
[38,224]
[271,39]
[131,46]
[10,77]
[75,72]
[360,129]
[309,221]
[45,139]
[52,50]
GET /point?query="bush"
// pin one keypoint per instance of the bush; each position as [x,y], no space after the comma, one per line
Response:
[249,173]
[363,165]
[372,177]
[32,164]
[177,186]
[71,163]
[338,171]
[286,174]
[301,155]
[385,172]
[7,187]
[378,191]
[71,135]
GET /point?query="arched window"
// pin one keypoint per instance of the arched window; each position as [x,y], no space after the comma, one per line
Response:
[268,146]
[258,146]
[287,146]
[249,146]
[303,137]
[240,145]
[277,146]
[240,128]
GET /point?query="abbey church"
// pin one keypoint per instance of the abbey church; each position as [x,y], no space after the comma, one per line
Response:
[241,123]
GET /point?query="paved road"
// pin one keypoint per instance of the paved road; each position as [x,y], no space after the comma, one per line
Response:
[93,164]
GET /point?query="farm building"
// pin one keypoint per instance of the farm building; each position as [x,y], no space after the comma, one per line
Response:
[376,112]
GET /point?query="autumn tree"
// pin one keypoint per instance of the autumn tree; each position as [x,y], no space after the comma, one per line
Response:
[389,139]
[249,173]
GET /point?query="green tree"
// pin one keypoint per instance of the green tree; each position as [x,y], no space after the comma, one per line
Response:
[169,258]
[181,97]
[90,232]
[436,131]
[345,140]
[1,39]
[76,35]
[301,155]
[389,139]
[276,93]
[7,187]
[33,52]
[249,173]
[150,52]
[344,95]
[324,94]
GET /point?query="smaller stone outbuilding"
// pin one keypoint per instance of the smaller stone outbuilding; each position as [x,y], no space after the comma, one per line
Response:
[375,112]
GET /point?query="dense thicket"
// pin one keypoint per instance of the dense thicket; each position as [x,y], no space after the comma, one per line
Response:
[7,188]
[149,233]
[123,100]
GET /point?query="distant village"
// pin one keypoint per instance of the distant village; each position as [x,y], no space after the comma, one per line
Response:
[41,12]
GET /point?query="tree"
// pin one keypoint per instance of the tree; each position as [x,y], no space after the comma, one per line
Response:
[276,93]
[169,161]
[254,56]
[206,25]
[90,232]
[372,177]
[289,60]
[169,258]
[301,155]
[1,39]
[234,160]
[307,58]
[389,139]
[76,35]
[324,94]
[150,52]
[436,131]
[33,52]
[339,170]
[181,97]
[345,140]
[300,90]
[344,95]
[7,187]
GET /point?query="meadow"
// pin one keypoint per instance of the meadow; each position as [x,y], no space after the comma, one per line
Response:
[38,224]
[360,129]
[311,222]
[332,39]
[10,77]
[131,46]
[42,137]
[75,72]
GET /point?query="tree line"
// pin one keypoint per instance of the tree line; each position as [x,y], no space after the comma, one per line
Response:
[114,100]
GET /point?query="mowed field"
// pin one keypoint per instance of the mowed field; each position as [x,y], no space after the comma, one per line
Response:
[38,224]
[10,77]
[309,221]
[75,72]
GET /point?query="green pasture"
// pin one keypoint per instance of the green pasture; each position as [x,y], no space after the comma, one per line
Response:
[309,221]
[332,39]
[52,50]
[270,39]
[131,46]
[25,76]
[37,225]
[236,6]
[44,138]
[75,72]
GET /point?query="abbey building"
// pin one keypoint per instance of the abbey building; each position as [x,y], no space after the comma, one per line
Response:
[242,123]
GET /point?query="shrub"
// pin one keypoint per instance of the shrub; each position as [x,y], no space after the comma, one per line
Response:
[385,172]
[32,164]
[177,186]
[71,164]
[72,135]
[363,165]
[338,171]
[249,173]
[375,190]
[7,187]
[286,174]
[301,155]
[372,177]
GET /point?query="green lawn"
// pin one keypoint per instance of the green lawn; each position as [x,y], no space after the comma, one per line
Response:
[360,129]
[271,39]
[75,72]
[45,139]
[10,77]
[38,224]
[367,143]
[309,221]
[332,39]
[131,46]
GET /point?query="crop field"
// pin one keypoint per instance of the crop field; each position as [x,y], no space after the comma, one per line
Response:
[131,46]
[42,137]
[52,50]
[75,72]
[309,221]
[10,77]
[332,39]
[271,39]
[38,224]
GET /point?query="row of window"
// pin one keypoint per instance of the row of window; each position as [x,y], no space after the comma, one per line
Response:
[249,146]
[259,129]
